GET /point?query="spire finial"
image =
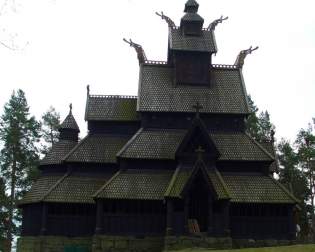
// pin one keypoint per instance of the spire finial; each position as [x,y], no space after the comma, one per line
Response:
[70,107]
[197,107]
[242,55]
[88,89]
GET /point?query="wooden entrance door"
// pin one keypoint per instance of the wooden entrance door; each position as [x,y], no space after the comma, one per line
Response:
[198,202]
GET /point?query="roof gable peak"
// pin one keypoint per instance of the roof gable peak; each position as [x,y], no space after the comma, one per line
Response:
[197,142]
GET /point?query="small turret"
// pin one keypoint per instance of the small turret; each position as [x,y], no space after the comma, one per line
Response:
[191,23]
[69,129]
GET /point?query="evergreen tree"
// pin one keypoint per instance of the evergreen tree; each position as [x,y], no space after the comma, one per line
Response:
[295,180]
[305,144]
[258,126]
[19,133]
[252,120]
[50,125]
[3,209]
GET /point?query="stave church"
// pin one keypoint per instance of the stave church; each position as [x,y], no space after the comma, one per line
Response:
[171,168]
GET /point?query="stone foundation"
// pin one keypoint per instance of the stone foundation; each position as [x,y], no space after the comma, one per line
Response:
[104,243]
[251,243]
[182,242]
[53,243]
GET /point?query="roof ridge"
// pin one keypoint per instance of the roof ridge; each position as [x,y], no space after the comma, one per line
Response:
[172,182]
[106,184]
[284,189]
[218,174]
[114,96]
[260,146]
[224,66]
[64,159]
[244,91]
[123,149]
[55,185]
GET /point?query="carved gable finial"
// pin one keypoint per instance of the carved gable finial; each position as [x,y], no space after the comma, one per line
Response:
[142,58]
[213,24]
[242,55]
[70,107]
[169,21]
[88,90]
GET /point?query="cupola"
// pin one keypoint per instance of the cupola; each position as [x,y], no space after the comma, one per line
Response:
[191,23]
[69,128]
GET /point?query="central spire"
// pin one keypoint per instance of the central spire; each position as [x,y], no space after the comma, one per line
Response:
[191,23]
[191,6]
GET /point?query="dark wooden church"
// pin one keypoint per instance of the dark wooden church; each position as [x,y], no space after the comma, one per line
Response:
[170,168]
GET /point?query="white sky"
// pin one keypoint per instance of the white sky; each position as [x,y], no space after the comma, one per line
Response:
[64,45]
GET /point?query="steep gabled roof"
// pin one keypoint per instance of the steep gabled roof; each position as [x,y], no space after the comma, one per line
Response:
[136,184]
[77,188]
[58,151]
[69,123]
[197,136]
[157,92]
[163,143]
[256,188]
[111,108]
[204,43]
[40,188]
[97,148]
[184,174]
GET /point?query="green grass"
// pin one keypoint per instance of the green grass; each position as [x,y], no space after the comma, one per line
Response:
[295,248]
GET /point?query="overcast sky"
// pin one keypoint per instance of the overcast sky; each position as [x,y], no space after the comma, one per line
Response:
[61,46]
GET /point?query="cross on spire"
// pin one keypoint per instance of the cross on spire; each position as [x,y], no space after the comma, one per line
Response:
[200,151]
[197,107]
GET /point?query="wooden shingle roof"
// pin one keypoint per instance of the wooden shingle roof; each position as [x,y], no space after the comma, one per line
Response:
[137,184]
[111,108]
[162,144]
[69,123]
[204,43]
[97,148]
[40,188]
[182,175]
[157,93]
[256,188]
[58,151]
[77,188]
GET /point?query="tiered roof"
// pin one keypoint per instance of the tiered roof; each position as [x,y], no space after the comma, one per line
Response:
[157,93]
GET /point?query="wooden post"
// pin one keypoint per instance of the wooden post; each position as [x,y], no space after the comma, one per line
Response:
[43,229]
[186,215]
[210,216]
[169,217]
[226,216]
[99,217]
[291,223]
